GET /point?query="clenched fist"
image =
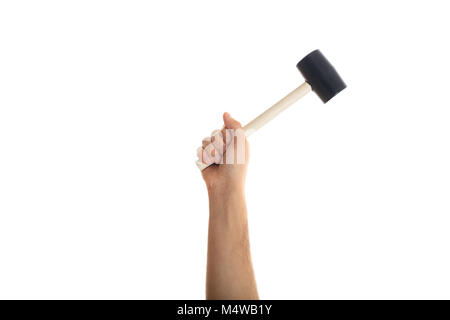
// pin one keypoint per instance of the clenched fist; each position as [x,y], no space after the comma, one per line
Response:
[226,151]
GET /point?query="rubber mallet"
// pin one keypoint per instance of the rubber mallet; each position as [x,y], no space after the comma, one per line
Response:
[320,77]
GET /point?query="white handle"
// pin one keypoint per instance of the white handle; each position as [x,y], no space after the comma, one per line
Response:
[276,109]
[201,165]
[270,114]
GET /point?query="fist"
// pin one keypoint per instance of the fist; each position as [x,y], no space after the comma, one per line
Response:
[226,152]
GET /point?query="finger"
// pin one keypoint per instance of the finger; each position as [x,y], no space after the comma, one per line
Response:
[205,157]
[214,134]
[217,141]
[206,154]
[240,147]
[230,123]
[209,154]
[219,147]
[200,153]
[206,141]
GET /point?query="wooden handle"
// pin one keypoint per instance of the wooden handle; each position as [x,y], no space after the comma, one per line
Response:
[276,109]
[201,165]
[270,114]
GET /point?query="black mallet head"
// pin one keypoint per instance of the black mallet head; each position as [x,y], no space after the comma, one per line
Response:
[321,75]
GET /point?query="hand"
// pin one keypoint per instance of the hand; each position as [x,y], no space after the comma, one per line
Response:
[227,151]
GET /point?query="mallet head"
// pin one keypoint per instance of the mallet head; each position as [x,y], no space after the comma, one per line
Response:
[321,75]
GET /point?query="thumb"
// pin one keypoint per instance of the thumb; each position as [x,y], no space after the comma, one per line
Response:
[230,123]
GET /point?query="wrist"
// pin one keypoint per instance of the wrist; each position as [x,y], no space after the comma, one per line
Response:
[228,204]
[226,191]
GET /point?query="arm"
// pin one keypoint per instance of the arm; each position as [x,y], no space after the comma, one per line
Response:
[229,269]
[229,266]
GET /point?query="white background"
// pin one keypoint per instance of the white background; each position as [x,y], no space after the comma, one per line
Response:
[102,107]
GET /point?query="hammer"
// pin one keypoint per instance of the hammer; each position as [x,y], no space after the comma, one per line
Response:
[320,77]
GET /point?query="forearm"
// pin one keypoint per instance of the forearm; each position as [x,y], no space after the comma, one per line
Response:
[229,267]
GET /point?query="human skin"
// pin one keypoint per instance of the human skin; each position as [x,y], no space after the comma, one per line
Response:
[229,272]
